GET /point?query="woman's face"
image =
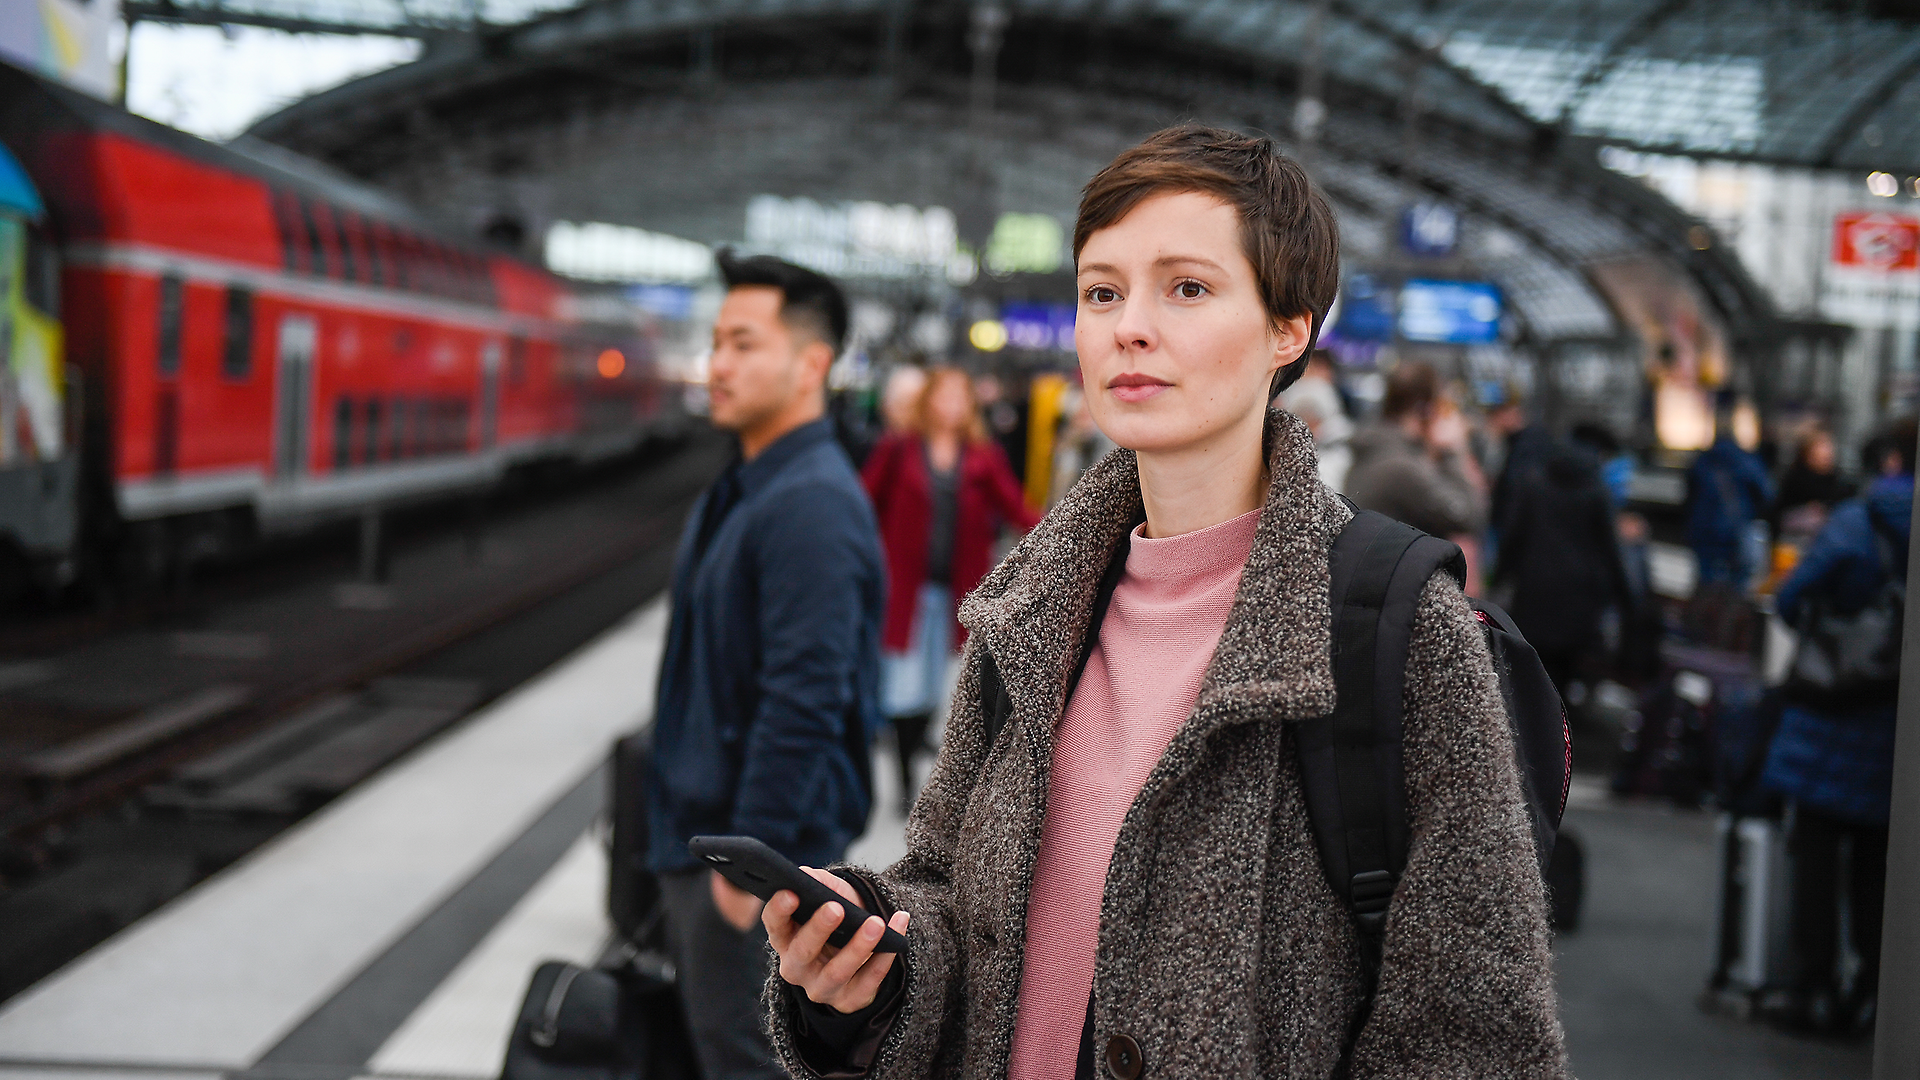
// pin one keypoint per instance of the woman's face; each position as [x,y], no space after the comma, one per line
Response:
[949,404]
[1820,455]
[1175,347]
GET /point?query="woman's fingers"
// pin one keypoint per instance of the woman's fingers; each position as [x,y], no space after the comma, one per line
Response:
[777,917]
[841,969]
[865,984]
[833,881]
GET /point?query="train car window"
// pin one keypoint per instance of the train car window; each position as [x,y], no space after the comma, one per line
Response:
[316,250]
[396,260]
[236,359]
[173,297]
[342,433]
[423,441]
[516,361]
[371,435]
[286,223]
[349,266]
[369,247]
[329,239]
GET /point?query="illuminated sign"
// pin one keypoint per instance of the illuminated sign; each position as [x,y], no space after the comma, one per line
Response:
[859,239]
[1039,326]
[1026,244]
[597,251]
[1430,229]
[1449,312]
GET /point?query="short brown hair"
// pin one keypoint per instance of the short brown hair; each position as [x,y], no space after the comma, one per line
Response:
[1287,229]
[1411,386]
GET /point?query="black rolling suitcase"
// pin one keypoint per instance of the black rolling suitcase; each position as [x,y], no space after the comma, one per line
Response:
[620,1019]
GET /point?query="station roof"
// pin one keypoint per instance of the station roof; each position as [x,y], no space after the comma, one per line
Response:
[1797,82]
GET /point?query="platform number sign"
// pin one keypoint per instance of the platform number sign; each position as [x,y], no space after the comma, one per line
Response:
[1430,229]
[1873,272]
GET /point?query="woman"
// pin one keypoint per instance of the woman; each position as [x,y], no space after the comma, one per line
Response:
[941,489]
[1811,487]
[1127,874]
[1832,757]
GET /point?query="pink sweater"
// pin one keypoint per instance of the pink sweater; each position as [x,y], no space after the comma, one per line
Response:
[1141,682]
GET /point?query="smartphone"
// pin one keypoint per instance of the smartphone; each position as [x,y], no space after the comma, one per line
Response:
[762,871]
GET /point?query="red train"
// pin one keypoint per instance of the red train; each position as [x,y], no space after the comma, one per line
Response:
[202,343]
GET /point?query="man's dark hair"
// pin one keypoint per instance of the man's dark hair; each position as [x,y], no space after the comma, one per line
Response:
[1287,228]
[810,302]
[1412,386]
[1897,440]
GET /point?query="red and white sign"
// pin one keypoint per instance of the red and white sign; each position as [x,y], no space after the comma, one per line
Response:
[1873,277]
[1877,240]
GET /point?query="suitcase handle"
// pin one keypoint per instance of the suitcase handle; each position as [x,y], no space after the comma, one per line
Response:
[547,1031]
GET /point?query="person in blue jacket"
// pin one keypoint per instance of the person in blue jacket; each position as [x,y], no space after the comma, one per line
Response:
[1834,764]
[769,687]
[1727,488]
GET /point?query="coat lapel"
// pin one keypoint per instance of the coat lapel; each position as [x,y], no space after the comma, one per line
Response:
[1274,657]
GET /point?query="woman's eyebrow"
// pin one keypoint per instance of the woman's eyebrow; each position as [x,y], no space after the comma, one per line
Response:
[1098,268]
[1189,260]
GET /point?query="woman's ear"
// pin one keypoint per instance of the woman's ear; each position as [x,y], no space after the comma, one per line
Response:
[1290,337]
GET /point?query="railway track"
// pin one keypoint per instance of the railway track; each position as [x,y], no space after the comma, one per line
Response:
[107,817]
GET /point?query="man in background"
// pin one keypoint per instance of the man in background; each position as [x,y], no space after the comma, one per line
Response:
[770,682]
[1727,489]
[1412,464]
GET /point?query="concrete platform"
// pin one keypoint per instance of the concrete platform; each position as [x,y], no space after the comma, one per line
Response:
[392,934]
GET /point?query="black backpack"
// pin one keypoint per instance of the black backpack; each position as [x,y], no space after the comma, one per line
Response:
[1350,763]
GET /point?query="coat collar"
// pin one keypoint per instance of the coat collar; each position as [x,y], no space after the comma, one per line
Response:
[1274,656]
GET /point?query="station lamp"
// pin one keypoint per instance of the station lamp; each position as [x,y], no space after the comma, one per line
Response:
[610,364]
[1883,184]
[988,335]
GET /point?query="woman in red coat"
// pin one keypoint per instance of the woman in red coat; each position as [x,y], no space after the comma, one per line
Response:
[941,492]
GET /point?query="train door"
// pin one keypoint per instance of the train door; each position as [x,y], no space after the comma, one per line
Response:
[293,395]
[489,394]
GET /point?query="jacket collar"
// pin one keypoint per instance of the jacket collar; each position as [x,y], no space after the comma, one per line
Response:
[755,474]
[1274,656]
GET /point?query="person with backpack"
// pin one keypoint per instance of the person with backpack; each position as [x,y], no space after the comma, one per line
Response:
[1832,755]
[1171,832]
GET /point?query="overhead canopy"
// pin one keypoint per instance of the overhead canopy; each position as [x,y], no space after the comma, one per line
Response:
[1797,82]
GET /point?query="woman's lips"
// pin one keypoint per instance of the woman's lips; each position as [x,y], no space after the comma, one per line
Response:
[1136,388]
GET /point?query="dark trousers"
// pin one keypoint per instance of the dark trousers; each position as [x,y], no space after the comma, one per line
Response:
[1832,858]
[721,974]
[910,733]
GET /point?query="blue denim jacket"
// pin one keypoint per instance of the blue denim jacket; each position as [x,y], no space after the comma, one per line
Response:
[771,674]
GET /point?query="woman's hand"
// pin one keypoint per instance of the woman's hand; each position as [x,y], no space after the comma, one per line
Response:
[845,979]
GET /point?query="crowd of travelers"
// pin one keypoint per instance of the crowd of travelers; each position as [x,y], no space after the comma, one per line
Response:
[1118,864]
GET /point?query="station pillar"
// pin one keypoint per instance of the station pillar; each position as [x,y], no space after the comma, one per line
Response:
[1896,1047]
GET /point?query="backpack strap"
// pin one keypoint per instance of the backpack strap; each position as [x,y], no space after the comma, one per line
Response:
[1350,760]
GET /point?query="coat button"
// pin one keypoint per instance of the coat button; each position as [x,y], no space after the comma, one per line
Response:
[1123,1058]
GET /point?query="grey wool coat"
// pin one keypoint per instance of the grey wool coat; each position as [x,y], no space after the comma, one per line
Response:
[1223,952]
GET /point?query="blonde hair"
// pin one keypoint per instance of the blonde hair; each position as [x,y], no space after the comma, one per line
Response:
[975,429]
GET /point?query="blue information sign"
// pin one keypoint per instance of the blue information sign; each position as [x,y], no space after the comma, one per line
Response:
[1450,312]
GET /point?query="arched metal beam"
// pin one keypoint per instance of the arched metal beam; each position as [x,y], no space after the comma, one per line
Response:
[1868,98]
[1642,27]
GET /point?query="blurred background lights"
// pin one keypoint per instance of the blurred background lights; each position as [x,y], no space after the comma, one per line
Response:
[611,363]
[1883,184]
[1025,244]
[597,251]
[988,335]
